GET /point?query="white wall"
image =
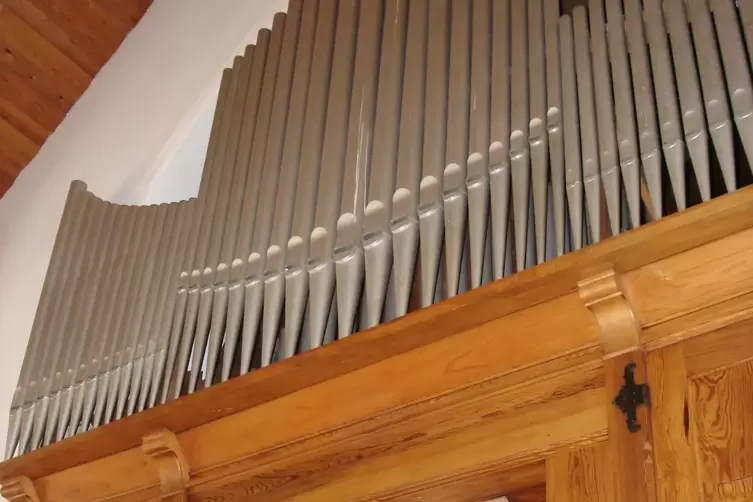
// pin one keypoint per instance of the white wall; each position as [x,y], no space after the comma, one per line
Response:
[125,132]
[179,177]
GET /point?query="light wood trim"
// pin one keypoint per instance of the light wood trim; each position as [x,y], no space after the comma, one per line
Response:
[674,456]
[707,320]
[633,477]
[714,272]
[603,296]
[719,349]
[19,489]
[163,450]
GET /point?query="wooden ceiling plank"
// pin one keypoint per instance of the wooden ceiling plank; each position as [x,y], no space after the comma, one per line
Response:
[17,150]
[131,11]
[40,89]
[21,121]
[81,49]
[37,107]
[82,16]
[49,52]
[6,181]
[42,63]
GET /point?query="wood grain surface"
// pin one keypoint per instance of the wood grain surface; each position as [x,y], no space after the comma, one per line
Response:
[674,455]
[722,413]
[578,476]
[49,53]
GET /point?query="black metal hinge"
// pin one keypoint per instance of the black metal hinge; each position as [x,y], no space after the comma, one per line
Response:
[630,397]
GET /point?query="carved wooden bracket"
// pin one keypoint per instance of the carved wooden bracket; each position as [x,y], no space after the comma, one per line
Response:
[163,449]
[620,330]
[19,489]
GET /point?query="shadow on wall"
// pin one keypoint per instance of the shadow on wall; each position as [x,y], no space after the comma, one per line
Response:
[180,177]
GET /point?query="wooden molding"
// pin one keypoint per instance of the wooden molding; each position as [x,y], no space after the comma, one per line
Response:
[603,296]
[19,489]
[163,449]
[631,461]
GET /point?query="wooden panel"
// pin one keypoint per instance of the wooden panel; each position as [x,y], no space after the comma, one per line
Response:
[722,413]
[528,434]
[674,456]
[464,435]
[578,476]
[49,52]
[449,364]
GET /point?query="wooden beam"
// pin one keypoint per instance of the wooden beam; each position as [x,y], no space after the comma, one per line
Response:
[627,464]
[633,463]
[676,470]
[707,320]
[727,272]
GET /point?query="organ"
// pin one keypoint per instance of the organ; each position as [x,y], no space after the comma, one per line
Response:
[369,159]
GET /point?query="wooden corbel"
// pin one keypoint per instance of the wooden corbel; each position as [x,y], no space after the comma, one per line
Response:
[603,296]
[163,450]
[19,489]
[627,398]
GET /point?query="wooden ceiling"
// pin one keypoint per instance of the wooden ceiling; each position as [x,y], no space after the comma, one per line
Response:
[50,50]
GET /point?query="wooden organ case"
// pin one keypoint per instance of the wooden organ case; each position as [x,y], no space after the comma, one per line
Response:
[445,250]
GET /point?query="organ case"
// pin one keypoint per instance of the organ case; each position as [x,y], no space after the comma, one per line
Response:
[369,161]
